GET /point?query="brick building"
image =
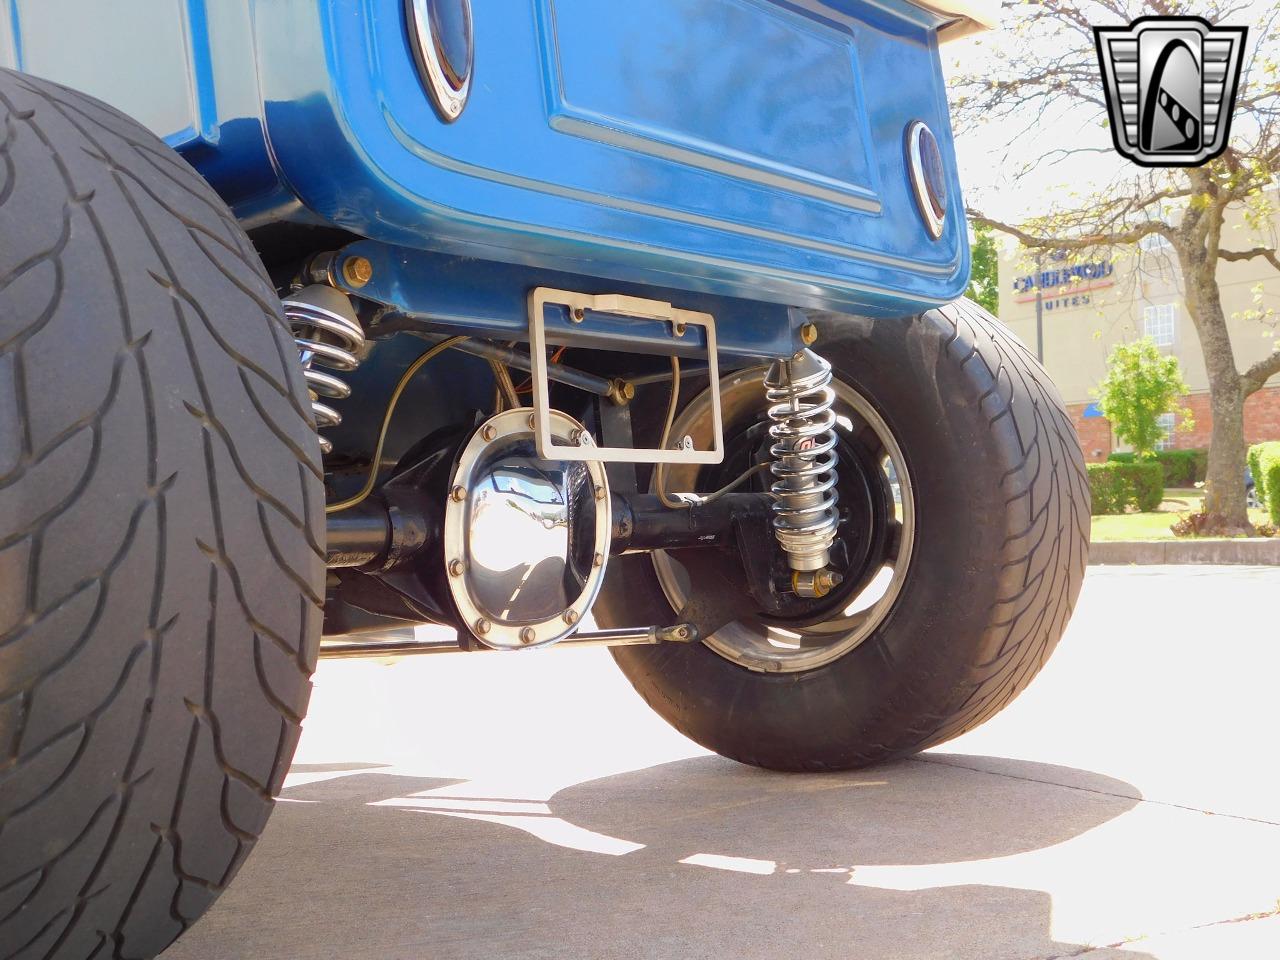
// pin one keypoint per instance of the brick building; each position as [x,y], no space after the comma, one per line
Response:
[1086,305]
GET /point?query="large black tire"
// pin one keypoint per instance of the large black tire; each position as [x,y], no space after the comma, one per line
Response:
[1002,515]
[161,525]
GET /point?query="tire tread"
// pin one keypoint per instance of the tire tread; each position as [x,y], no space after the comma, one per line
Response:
[200,464]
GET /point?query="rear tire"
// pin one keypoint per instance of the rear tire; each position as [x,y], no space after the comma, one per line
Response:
[161,531]
[1002,528]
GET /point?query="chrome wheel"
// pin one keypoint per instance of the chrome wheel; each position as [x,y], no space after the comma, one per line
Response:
[877,531]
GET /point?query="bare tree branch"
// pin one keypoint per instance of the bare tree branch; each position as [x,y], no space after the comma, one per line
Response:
[1084,242]
[1256,377]
[1267,253]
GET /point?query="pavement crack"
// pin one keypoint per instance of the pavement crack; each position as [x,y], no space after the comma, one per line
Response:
[1102,793]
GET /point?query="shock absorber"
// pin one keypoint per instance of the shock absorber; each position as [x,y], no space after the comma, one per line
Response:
[803,428]
[328,334]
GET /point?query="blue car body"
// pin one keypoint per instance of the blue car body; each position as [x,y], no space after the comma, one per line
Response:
[749,153]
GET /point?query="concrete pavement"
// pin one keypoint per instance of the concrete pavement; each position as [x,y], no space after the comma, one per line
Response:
[530,806]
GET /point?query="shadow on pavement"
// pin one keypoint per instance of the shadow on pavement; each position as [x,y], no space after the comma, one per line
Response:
[690,859]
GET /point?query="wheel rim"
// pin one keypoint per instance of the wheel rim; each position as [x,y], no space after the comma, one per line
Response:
[774,645]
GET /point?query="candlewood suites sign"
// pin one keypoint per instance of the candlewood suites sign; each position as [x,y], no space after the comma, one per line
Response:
[1065,286]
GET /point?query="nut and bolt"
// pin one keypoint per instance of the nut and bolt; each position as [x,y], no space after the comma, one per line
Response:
[571,617]
[678,328]
[458,493]
[488,431]
[682,633]
[482,627]
[600,493]
[357,271]
[528,635]
[826,580]
[456,567]
[809,334]
[622,392]
[577,314]
[598,560]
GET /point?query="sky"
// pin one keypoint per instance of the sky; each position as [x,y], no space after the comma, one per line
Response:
[986,159]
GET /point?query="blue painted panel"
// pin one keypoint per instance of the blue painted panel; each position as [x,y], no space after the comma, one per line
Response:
[356,138]
[491,299]
[755,154]
[622,74]
[184,68]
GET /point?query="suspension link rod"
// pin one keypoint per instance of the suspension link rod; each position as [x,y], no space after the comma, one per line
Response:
[639,636]
[519,359]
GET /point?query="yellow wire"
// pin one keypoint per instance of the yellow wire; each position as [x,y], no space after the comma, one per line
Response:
[372,479]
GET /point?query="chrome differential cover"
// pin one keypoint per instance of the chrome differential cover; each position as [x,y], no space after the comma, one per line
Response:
[526,539]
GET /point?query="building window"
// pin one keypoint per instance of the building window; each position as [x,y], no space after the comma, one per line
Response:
[1166,423]
[1158,323]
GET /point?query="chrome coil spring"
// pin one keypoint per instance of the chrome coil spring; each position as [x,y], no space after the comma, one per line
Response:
[325,338]
[803,421]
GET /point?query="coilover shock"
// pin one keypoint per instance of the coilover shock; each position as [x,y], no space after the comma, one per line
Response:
[805,518]
[328,334]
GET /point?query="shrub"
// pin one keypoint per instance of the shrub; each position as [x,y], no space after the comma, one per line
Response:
[1118,486]
[1264,464]
[1182,468]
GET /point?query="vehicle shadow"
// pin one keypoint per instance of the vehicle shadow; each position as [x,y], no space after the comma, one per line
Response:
[694,858]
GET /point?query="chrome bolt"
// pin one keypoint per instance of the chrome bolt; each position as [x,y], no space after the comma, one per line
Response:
[600,492]
[482,627]
[528,635]
[577,314]
[458,493]
[678,328]
[809,334]
[598,560]
[456,567]
[571,617]
[682,633]
[489,431]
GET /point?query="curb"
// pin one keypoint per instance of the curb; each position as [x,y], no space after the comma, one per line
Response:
[1254,551]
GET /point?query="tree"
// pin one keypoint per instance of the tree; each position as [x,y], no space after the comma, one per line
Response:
[1141,384]
[1046,72]
[984,280]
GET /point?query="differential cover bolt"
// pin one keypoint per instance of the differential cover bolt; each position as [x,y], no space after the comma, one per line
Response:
[528,635]
[598,560]
[458,493]
[489,431]
[456,567]
[571,617]
[482,627]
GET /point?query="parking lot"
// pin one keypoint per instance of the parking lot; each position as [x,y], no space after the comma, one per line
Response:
[530,805]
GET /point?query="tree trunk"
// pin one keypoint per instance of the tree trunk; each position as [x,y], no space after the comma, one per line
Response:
[1224,484]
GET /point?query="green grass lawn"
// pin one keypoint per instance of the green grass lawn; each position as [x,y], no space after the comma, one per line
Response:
[1155,526]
